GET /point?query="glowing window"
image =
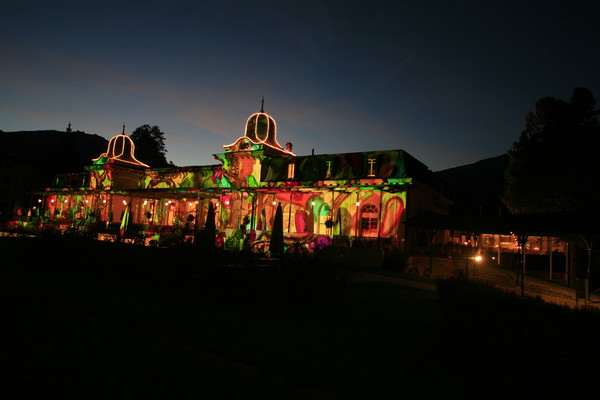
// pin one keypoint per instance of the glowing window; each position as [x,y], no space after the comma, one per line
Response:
[328,165]
[369,218]
[291,170]
[372,162]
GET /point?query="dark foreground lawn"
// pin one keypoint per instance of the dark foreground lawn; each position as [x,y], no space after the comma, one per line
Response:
[110,321]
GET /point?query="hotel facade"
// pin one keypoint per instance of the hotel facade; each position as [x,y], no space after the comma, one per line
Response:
[357,199]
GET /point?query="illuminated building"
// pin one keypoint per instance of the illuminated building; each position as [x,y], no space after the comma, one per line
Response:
[360,197]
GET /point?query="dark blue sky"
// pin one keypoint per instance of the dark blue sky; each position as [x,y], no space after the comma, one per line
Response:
[449,82]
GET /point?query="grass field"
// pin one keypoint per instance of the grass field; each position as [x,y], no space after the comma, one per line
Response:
[112,321]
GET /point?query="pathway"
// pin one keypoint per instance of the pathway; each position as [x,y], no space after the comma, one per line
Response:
[498,276]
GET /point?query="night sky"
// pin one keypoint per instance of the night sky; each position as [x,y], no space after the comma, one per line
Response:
[450,82]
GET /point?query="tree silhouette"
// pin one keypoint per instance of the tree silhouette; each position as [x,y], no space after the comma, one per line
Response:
[206,238]
[554,166]
[150,146]
[276,246]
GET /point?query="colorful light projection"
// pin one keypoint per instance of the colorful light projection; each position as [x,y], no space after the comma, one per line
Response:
[100,174]
[360,195]
[240,170]
[376,213]
[186,177]
[307,212]
[79,211]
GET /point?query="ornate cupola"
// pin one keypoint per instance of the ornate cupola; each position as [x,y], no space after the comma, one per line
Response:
[260,133]
[121,150]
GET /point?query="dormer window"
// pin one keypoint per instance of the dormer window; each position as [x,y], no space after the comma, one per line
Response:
[372,165]
[328,166]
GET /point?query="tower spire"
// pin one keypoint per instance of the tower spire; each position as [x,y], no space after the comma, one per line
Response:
[123,129]
[262,104]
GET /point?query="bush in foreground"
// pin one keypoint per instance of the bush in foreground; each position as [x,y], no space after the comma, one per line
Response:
[510,344]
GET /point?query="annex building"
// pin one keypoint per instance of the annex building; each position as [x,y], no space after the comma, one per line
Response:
[353,199]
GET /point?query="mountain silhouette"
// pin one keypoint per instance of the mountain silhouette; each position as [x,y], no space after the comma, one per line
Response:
[63,149]
[30,159]
[479,186]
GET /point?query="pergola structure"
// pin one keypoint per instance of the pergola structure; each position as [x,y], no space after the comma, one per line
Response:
[577,227]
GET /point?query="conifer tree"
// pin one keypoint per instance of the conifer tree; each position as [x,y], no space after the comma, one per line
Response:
[150,146]
[554,166]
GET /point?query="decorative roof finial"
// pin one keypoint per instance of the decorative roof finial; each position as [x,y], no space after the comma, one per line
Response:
[262,104]
[123,129]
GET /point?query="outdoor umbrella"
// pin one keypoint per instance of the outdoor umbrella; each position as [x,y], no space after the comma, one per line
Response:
[276,245]
[337,230]
[125,221]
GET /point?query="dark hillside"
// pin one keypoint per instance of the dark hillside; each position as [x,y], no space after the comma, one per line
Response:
[479,186]
[30,159]
[71,150]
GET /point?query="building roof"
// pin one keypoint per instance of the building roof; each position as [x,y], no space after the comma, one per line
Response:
[546,224]
[387,165]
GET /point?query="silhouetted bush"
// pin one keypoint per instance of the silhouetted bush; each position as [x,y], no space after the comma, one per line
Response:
[508,339]
[394,260]
[214,274]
